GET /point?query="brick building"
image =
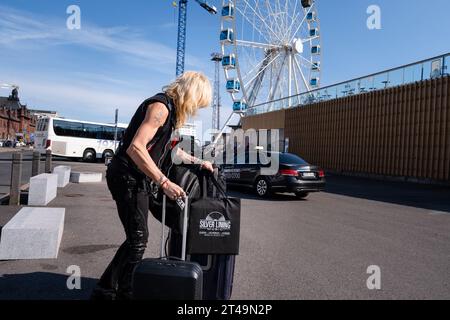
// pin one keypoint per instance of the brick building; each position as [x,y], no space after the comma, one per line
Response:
[16,121]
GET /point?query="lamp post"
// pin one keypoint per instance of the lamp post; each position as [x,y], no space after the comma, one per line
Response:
[116,122]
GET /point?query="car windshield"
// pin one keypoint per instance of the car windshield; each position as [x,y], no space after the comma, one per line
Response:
[289,158]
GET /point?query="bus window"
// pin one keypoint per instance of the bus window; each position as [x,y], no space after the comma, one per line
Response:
[86,130]
[120,133]
[42,125]
[109,132]
[45,125]
[68,129]
[38,125]
[92,131]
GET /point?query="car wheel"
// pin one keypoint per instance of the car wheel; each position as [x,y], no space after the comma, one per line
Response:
[301,195]
[262,187]
[89,155]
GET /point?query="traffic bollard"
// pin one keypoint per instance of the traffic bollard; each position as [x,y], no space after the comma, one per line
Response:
[48,161]
[16,177]
[36,164]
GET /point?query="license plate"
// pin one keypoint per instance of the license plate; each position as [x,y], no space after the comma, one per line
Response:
[308,175]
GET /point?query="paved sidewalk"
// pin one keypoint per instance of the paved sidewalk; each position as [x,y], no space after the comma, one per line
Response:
[92,233]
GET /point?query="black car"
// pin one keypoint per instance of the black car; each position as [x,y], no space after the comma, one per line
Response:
[293,174]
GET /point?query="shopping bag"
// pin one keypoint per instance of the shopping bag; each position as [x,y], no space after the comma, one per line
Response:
[214,223]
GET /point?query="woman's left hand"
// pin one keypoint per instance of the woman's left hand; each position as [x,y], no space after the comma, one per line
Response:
[207,166]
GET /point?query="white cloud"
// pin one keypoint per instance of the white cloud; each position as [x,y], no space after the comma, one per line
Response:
[78,99]
[74,97]
[87,94]
[28,30]
[94,78]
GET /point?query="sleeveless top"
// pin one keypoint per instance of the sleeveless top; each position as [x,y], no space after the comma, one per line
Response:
[156,146]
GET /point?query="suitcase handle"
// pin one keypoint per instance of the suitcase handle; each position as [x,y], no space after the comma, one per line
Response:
[185,226]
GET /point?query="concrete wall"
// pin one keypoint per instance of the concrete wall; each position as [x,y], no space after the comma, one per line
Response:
[397,132]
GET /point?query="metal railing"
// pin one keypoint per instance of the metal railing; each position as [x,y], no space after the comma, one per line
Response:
[419,71]
[17,160]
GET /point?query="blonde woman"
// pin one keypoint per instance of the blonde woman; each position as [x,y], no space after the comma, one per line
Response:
[136,161]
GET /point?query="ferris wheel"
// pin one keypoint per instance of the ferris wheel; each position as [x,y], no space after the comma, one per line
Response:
[271,51]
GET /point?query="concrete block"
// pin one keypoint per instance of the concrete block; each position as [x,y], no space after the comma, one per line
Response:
[43,189]
[33,233]
[85,177]
[63,173]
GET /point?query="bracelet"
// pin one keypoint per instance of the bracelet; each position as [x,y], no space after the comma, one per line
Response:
[162,184]
[161,180]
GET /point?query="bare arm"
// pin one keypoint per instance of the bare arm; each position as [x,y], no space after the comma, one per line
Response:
[155,117]
[187,158]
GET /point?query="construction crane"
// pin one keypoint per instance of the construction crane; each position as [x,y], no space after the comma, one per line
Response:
[14,92]
[182,24]
[8,86]
[216,58]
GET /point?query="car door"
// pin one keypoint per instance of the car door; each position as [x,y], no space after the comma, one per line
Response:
[251,169]
[242,168]
[232,170]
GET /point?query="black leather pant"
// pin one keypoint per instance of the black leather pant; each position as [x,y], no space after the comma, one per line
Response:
[131,196]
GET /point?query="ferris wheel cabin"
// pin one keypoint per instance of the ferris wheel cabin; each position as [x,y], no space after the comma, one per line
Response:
[239,107]
[311,16]
[233,86]
[314,82]
[315,66]
[227,36]
[307,3]
[229,62]
[228,11]
[314,32]
[315,50]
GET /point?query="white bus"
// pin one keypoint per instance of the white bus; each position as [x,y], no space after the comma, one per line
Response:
[77,139]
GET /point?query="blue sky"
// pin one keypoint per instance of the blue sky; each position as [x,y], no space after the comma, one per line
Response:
[125,50]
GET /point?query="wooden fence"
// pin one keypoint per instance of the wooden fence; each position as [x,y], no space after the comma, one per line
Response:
[400,132]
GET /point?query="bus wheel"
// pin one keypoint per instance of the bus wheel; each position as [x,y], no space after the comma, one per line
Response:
[107,154]
[89,155]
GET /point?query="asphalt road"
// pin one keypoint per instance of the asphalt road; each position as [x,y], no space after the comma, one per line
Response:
[319,248]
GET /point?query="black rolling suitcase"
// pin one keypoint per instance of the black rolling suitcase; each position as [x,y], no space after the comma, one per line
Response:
[218,275]
[218,269]
[169,278]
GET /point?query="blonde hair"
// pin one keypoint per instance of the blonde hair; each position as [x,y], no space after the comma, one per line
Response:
[190,92]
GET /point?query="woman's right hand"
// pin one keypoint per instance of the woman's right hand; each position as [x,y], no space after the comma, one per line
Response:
[173,191]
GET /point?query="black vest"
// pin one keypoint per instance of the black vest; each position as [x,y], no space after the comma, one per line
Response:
[156,147]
